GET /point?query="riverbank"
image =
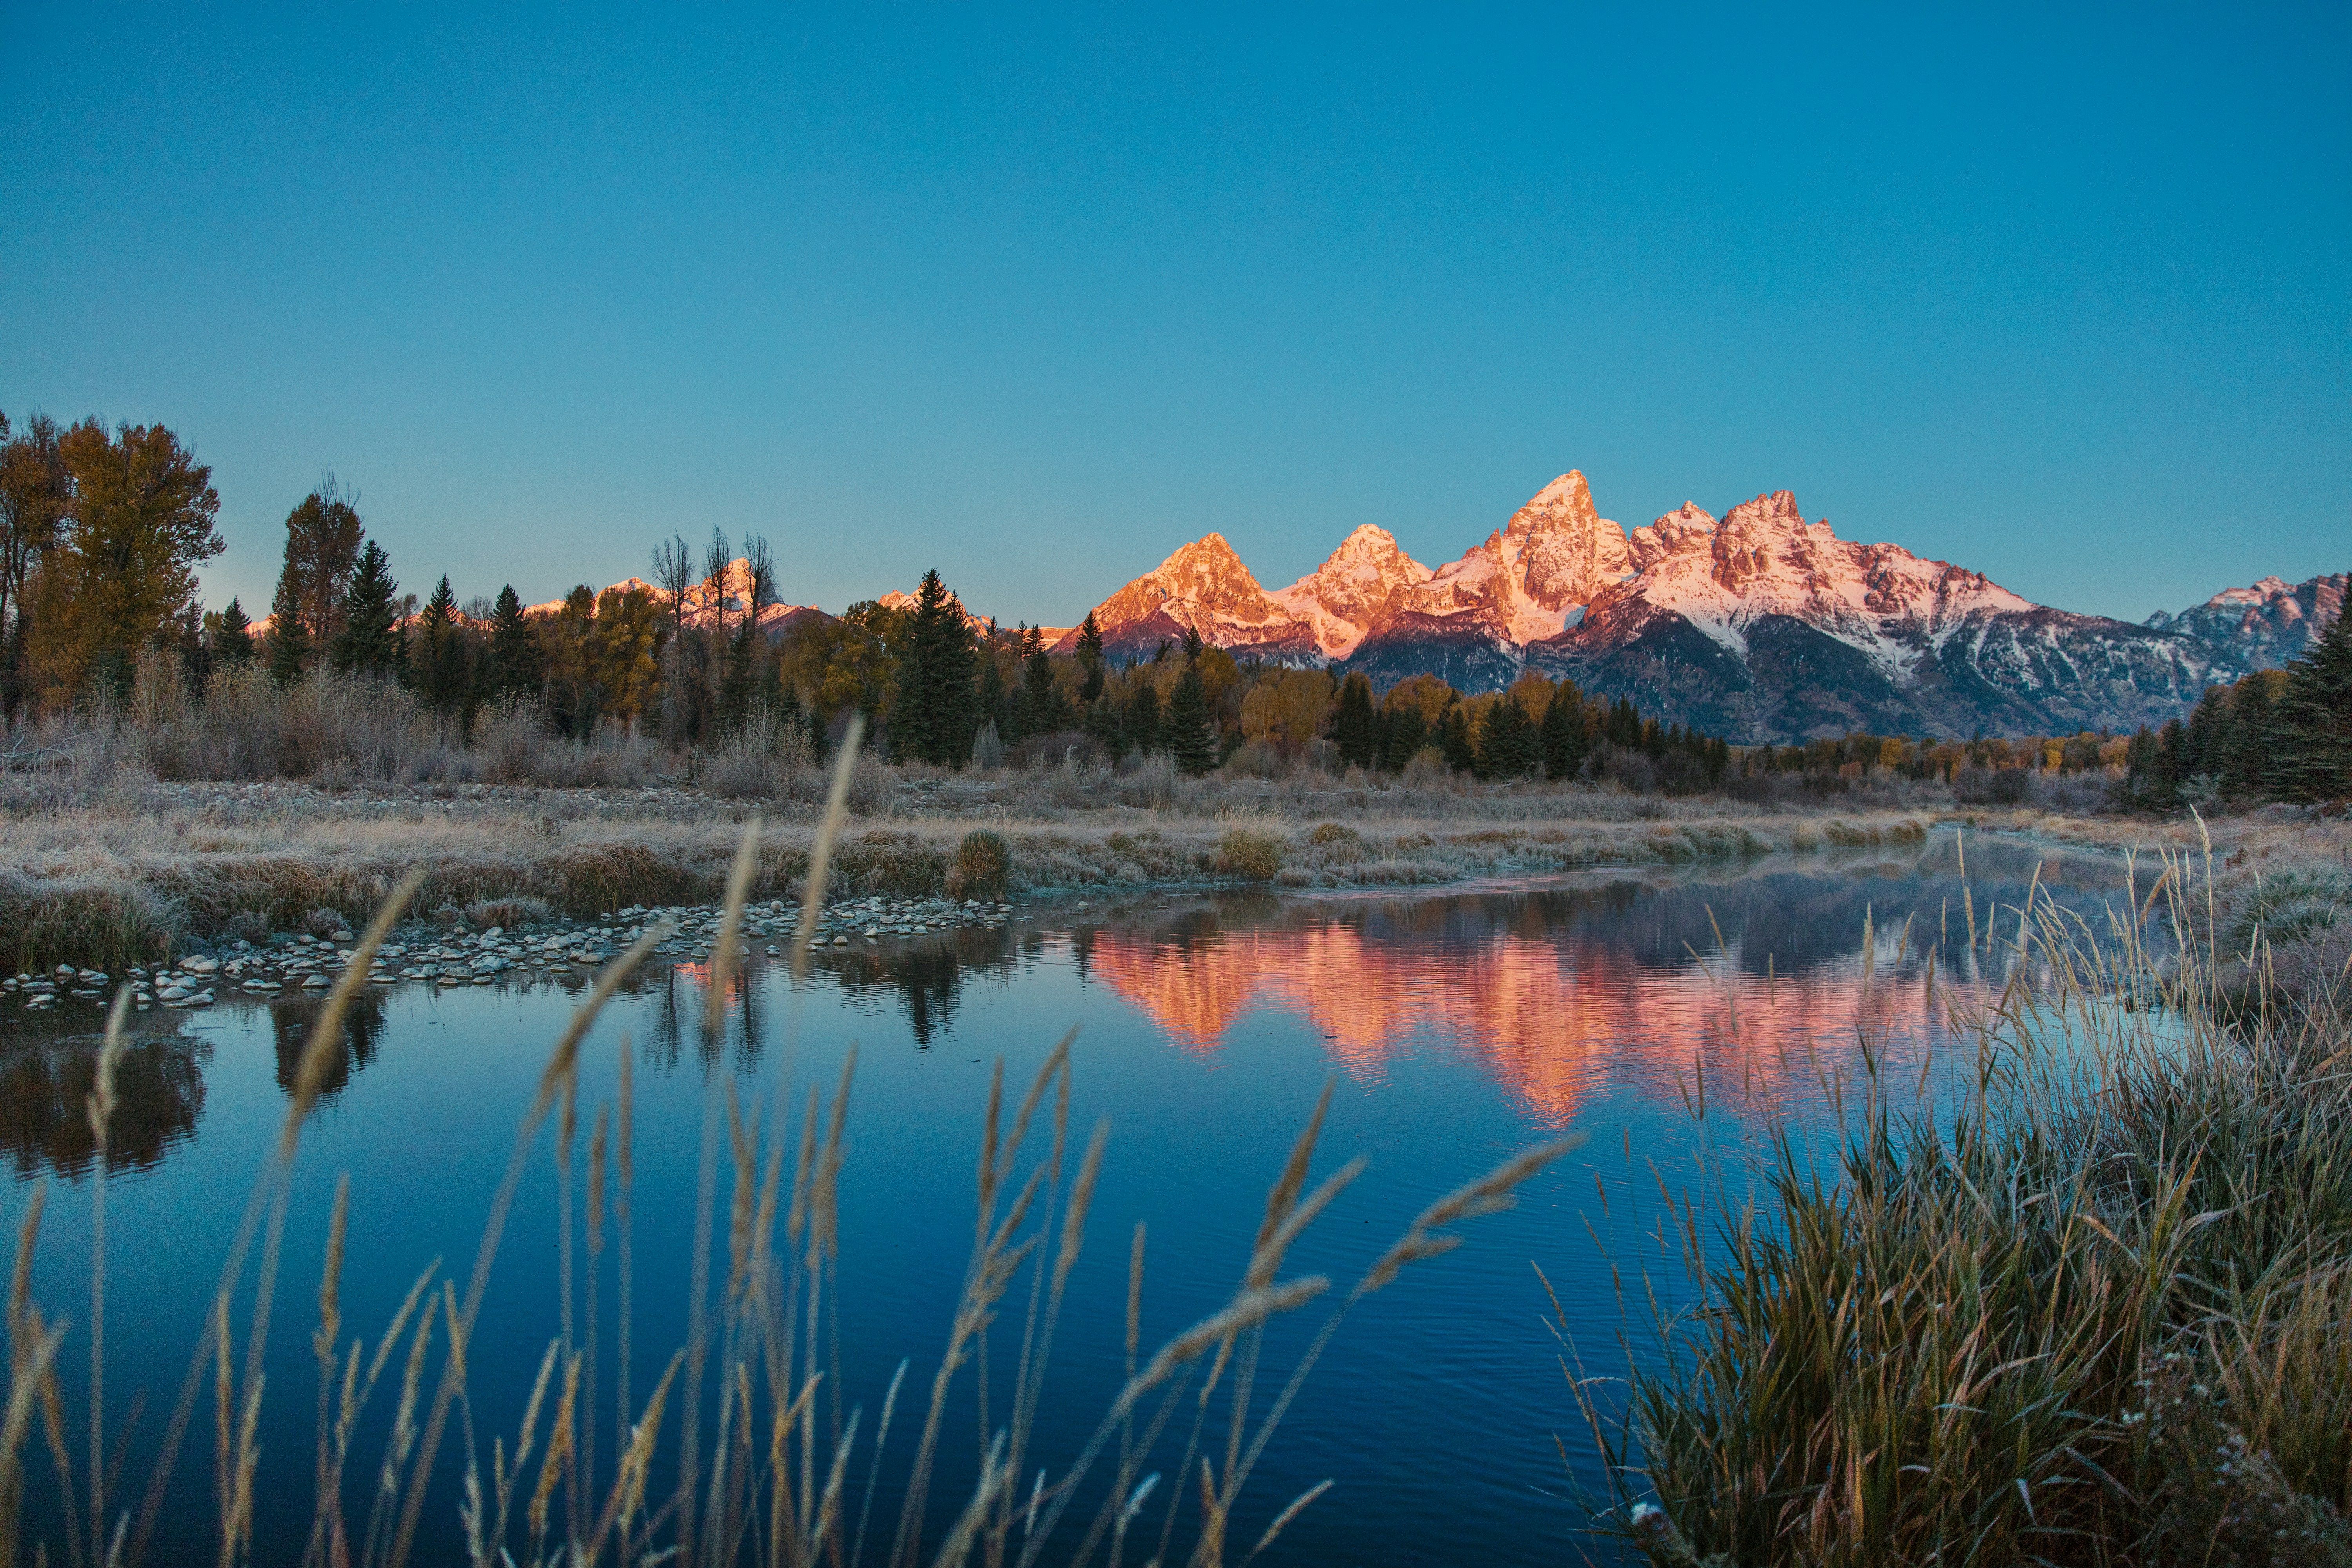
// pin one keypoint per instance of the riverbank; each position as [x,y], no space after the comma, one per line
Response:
[126,876]
[108,877]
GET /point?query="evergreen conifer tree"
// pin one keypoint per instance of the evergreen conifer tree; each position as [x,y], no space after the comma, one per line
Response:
[1192,643]
[1143,717]
[736,681]
[1508,746]
[934,720]
[2314,714]
[820,737]
[992,708]
[514,652]
[1454,739]
[441,657]
[1404,731]
[1186,734]
[1100,721]
[1047,711]
[232,637]
[370,642]
[2205,740]
[1355,728]
[1090,660]
[2171,755]
[289,641]
[1563,732]
[2246,764]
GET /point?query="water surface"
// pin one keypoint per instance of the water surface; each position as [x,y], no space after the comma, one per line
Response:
[1458,1026]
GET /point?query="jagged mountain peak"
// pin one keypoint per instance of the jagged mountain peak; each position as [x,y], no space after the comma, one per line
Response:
[1568,498]
[1647,545]
[1354,588]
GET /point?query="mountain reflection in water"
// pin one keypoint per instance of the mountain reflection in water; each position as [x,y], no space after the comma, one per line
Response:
[1745,975]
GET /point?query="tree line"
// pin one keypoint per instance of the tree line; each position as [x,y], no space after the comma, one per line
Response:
[968,692]
[2277,734]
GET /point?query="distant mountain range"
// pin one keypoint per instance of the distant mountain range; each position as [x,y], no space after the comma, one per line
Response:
[1758,625]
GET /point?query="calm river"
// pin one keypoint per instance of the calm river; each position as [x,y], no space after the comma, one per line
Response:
[1458,1026]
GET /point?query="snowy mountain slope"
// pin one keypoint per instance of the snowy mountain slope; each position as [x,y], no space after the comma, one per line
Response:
[1818,634]
[2263,626]
[1354,590]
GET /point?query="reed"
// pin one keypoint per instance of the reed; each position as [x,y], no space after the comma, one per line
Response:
[2093,1310]
[764,1478]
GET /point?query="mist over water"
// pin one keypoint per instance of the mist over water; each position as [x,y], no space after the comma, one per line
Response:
[1459,1026]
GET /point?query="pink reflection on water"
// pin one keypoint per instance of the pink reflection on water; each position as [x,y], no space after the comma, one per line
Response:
[1550,1015]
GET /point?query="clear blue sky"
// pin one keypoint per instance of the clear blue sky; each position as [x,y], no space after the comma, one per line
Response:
[2063,295]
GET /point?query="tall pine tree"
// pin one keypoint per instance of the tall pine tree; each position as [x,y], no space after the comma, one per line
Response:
[289,640]
[1508,746]
[735,682]
[934,719]
[2206,745]
[1454,739]
[1355,728]
[2315,715]
[232,637]
[1090,660]
[440,656]
[514,652]
[1186,734]
[1404,731]
[370,642]
[1143,717]
[2246,767]
[1045,710]
[1563,732]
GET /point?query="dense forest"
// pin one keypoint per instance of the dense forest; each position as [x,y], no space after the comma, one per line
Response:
[102,531]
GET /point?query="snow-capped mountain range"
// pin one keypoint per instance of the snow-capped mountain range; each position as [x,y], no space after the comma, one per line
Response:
[1758,625]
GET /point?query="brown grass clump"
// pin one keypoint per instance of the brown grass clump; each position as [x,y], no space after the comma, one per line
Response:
[507,913]
[91,921]
[982,865]
[1252,854]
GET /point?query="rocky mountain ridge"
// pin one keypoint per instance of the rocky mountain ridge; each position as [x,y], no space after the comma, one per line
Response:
[2266,623]
[1761,625]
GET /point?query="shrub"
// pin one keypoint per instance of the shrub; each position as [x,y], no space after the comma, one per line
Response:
[1256,759]
[1250,853]
[509,735]
[983,865]
[509,912]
